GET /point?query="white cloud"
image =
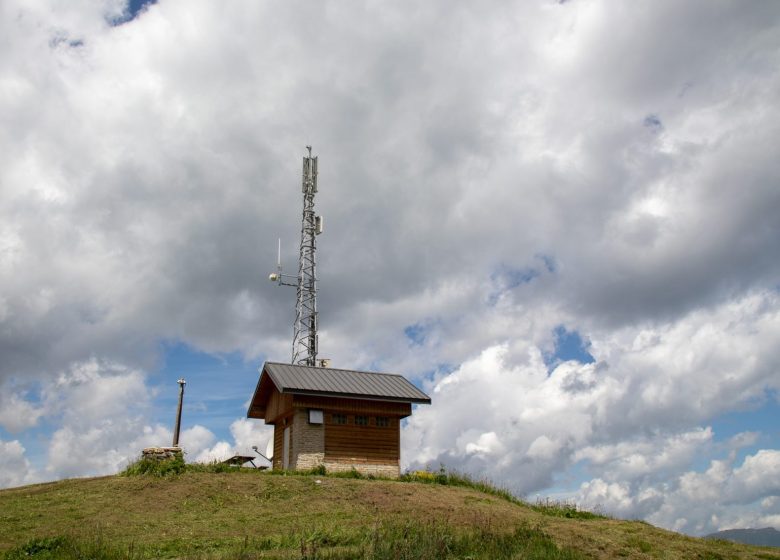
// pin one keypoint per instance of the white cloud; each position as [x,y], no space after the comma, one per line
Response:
[721,497]
[634,417]
[246,434]
[100,408]
[630,460]
[487,174]
[15,469]
[16,413]
[758,476]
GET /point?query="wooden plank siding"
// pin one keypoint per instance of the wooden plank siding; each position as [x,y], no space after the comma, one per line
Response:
[354,406]
[278,445]
[278,405]
[370,444]
[344,443]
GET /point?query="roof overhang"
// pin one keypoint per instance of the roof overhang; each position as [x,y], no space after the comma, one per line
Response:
[266,385]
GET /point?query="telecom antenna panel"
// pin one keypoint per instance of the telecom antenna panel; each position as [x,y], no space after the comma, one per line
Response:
[304,347]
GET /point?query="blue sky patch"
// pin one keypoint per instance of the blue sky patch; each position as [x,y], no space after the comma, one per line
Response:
[218,387]
[762,419]
[509,277]
[569,345]
[548,261]
[653,122]
[416,334]
[505,277]
[134,7]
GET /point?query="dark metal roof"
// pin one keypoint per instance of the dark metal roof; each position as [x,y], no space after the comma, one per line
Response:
[307,380]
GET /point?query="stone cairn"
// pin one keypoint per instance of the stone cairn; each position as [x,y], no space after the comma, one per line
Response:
[161,453]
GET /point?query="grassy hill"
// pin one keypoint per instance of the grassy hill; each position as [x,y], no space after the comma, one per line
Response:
[249,514]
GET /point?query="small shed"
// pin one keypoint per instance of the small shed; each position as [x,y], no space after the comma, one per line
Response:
[342,419]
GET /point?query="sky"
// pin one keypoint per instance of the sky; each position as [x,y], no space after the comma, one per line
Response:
[559,219]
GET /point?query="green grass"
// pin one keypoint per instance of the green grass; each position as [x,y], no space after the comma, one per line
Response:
[156,467]
[433,541]
[454,478]
[220,512]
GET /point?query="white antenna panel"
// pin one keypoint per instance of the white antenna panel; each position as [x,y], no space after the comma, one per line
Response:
[314,173]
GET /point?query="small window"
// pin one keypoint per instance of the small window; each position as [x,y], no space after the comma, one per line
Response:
[382,422]
[361,420]
[315,416]
[339,418]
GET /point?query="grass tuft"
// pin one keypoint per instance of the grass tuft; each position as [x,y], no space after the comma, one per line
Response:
[353,473]
[71,548]
[438,541]
[156,467]
[569,510]
[454,478]
[173,466]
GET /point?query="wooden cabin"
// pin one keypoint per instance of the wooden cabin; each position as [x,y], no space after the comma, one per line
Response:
[342,419]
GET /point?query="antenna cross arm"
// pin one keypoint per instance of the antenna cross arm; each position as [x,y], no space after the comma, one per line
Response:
[279,278]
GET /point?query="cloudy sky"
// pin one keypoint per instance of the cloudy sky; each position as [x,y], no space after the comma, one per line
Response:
[560,219]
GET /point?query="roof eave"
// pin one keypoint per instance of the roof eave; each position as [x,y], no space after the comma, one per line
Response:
[258,410]
[314,393]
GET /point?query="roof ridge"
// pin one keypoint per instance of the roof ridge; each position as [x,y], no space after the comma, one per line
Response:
[338,369]
[305,379]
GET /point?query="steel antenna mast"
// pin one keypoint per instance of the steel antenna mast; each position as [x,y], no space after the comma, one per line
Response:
[304,346]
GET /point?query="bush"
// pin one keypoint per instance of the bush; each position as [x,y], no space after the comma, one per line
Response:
[157,467]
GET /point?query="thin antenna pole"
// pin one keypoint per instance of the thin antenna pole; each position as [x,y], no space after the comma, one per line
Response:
[279,256]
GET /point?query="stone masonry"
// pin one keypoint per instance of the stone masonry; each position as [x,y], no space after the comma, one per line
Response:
[161,453]
[308,441]
[386,471]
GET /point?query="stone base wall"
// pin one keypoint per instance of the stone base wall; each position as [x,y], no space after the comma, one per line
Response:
[308,442]
[386,471]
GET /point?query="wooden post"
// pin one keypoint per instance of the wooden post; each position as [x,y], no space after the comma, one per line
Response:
[182,383]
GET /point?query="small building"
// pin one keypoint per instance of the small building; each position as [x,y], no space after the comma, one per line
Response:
[342,419]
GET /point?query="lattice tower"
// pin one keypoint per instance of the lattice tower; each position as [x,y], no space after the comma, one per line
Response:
[304,347]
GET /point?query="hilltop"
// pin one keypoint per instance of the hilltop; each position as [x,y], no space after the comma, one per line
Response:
[250,514]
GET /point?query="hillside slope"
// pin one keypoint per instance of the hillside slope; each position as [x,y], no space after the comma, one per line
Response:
[249,514]
[768,536]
